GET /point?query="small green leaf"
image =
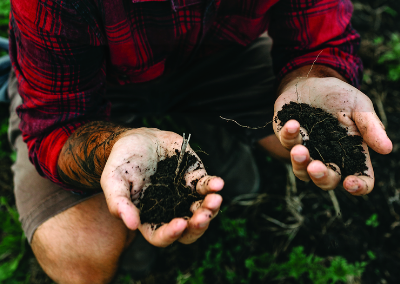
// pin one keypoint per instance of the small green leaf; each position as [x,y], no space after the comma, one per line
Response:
[371,255]
[372,221]
[390,11]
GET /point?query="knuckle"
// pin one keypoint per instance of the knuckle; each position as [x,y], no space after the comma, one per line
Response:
[326,184]
[288,144]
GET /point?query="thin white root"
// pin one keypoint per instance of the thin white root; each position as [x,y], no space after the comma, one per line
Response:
[228,119]
[312,65]
[298,100]
[309,71]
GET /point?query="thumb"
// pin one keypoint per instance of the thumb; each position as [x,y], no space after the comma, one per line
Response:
[371,128]
[290,135]
[122,207]
[119,203]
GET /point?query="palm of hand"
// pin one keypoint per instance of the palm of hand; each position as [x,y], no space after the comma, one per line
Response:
[132,161]
[353,110]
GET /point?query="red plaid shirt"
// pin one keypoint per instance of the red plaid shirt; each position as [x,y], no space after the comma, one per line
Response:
[64,51]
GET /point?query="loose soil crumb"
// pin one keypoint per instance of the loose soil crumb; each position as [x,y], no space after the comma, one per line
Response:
[168,197]
[328,140]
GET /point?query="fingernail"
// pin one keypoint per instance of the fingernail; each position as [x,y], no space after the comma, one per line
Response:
[318,175]
[216,183]
[215,203]
[299,158]
[292,130]
[354,188]
[179,232]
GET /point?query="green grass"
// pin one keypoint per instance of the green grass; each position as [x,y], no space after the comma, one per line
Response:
[4,16]
[304,268]
[13,243]
[391,57]
[12,246]
[222,259]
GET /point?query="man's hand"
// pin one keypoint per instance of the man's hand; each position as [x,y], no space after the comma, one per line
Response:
[133,159]
[353,110]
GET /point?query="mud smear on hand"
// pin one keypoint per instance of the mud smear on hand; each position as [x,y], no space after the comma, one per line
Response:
[168,196]
[328,140]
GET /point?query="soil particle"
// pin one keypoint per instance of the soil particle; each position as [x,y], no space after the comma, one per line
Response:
[328,140]
[168,197]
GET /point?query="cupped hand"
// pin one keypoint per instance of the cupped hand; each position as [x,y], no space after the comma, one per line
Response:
[353,109]
[133,159]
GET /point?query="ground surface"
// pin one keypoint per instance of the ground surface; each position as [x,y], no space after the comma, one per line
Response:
[288,213]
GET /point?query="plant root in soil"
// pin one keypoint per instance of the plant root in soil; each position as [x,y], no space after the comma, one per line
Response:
[328,141]
[168,196]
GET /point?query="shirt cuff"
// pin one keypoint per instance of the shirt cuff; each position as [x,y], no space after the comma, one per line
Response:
[44,153]
[348,65]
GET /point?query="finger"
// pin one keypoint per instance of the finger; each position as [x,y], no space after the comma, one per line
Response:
[371,128]
[117,193]
[290,134]
[361,184]
[202,215]
[211,202]
[126,211]
[198,224]
[358,185]
[209,184]
[300,158]
[322,176]
[166,234]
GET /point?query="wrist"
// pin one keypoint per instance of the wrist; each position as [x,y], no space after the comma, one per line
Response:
[85,153]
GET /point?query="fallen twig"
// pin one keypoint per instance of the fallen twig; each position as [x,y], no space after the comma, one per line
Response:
[280,224]
[291,187]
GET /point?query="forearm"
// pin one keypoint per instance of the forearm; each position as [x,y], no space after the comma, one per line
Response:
[85,153]
[319,71]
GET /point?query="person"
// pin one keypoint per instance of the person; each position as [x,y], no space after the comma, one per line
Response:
[198,60]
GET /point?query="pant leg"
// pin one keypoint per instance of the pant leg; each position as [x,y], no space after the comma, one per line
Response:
[37,199]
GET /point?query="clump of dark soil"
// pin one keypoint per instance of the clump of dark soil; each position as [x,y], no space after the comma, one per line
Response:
[168,197]
[328,140]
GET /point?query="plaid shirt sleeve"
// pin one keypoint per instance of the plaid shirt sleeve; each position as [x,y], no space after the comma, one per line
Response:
[59,51]
[61,81]
[301,29]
